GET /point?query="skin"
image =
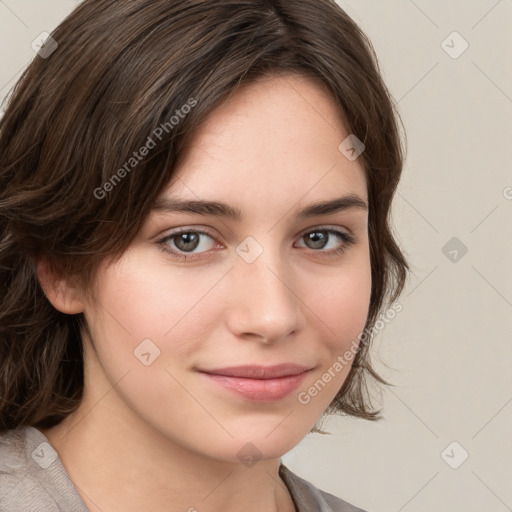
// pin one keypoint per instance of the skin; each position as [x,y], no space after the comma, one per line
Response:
[162,437]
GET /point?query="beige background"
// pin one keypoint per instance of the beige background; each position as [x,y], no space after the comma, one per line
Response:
[449,351]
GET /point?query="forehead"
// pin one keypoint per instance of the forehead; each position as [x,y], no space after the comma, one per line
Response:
[274,141]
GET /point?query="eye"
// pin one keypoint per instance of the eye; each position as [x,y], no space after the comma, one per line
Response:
[186,242]
[320,238]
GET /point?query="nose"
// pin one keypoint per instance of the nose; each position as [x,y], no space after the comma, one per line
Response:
[263,303]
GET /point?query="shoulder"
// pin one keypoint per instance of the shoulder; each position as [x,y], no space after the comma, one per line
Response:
[308,498]
[14,462]
[32,476]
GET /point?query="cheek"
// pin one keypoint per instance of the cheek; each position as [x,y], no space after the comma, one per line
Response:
[341,302]
[148,319]
[340,309]
[145,298]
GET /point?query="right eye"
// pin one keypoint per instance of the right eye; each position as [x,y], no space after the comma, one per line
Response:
[184,242]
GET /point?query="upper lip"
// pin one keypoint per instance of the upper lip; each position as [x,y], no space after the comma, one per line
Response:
[260,372]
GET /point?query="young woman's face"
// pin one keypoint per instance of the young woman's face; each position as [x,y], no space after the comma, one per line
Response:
[175,316]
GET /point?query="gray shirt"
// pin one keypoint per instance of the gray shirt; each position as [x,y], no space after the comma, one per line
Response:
[33,479]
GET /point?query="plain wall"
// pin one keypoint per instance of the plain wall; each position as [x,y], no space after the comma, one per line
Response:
[449,351]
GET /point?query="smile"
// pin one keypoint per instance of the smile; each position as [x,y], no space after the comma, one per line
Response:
[259,383]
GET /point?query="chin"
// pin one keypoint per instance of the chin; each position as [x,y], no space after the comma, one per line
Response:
[264,441]
[250,442]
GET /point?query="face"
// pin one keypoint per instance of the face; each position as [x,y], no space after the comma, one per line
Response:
[220,330]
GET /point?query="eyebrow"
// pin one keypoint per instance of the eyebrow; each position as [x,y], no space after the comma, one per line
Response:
[223,210]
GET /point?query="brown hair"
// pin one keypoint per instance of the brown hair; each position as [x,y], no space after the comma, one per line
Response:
[122,69]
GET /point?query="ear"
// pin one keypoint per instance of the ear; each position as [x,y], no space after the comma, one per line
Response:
[63,296]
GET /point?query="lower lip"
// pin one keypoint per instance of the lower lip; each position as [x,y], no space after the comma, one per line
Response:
[259,390]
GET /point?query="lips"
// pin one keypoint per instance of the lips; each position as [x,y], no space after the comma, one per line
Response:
[259,383]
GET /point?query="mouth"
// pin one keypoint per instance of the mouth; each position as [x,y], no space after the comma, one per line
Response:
[259,383]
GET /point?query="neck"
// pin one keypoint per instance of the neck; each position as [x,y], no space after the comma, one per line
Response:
[117,464]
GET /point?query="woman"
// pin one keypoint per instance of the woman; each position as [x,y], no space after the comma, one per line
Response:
[195,245]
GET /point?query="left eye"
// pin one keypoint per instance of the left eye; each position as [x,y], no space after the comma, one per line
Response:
[319,237]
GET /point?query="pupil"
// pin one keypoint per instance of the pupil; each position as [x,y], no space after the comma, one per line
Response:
[314,237]
[187,241]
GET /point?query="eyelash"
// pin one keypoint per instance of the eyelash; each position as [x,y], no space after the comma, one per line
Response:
[348,241]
